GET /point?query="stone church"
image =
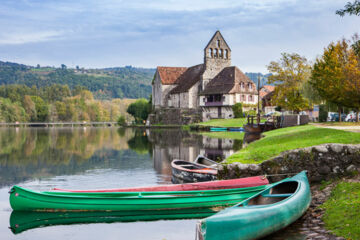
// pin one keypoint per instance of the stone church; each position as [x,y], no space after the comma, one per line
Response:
[208,89]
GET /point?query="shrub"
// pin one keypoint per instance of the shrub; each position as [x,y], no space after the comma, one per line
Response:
[237,109]
[121,120]
[323,114]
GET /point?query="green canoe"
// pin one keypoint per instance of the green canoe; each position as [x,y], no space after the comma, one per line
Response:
[26,200]
[21,221]
[260,215]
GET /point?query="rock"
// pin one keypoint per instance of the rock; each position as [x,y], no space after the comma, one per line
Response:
[336,147]
[324,169]
[321,149]
[254,167]
[351,168]
[336,169]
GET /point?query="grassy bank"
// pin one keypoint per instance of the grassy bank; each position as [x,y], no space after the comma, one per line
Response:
[280,140]
[232,122]
[342,211]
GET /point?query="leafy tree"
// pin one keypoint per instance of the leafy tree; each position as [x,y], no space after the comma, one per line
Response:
[350,8]
[61,111]
[42,109]
[139,110]
[238,111]
[336,75]
[30,108]
[289,74]
[323,114]
[121,120]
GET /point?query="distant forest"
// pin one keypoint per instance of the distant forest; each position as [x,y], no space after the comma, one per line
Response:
[106,83]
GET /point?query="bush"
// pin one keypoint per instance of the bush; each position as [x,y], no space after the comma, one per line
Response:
[251,113]
[139,110]
[237,109]
[121,121]
[323,114]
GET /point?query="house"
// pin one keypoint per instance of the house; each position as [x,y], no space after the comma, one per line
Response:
[266,93]
[210,88]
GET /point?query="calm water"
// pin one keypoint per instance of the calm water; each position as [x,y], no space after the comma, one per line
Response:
[85,158]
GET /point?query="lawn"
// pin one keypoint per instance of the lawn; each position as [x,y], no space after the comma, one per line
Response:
[232,122]
[342,211]
[280,140]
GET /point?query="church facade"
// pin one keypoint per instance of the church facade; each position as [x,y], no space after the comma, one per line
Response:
[212,87]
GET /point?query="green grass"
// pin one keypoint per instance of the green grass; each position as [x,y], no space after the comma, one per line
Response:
[232,122]
[224,135]
[342,211]
[280,140]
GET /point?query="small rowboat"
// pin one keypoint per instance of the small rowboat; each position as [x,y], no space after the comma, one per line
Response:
[212,185]
[218,129]
[22,199]
[205,161]
[262,214]
[236,129]
[21,221]
[192,172]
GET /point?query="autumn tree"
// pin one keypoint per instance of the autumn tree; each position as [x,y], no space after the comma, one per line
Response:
[336,75]
[289,74]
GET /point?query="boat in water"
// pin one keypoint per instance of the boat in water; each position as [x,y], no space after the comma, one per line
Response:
[211,185]
[22,199]
[192,172]
[264,213]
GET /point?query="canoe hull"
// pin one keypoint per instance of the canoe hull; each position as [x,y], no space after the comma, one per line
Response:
[25,200]
[189,172]
[253,222]
[210,185]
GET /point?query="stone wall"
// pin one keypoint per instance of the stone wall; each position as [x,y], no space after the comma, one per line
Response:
[322,162]
[175,116]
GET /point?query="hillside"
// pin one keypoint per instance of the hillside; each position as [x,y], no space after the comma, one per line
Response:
[107,83]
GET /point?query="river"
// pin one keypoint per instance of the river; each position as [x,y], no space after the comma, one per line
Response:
[90,158]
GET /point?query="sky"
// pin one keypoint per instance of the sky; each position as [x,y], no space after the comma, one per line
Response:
[143,33]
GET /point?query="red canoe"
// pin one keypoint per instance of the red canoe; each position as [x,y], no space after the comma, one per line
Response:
[212,185]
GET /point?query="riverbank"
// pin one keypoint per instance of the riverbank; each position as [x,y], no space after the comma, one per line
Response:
[284,139]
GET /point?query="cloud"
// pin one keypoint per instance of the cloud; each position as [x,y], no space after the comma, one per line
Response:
[30,37]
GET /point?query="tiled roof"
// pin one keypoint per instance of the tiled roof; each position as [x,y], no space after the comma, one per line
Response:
[228,81]
[191,76]
[266,89]
[169,75]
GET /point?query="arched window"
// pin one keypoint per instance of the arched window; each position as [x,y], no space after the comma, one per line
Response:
[210,52]
[226,54]
[216,53]
[221,55]
[218,43]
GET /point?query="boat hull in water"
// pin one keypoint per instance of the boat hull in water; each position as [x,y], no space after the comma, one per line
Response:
[192,172]
[262,214]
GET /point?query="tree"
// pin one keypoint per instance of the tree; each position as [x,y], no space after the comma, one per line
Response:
[238,111]
[139,109]
[350,8]
[41,107]
[121,120]
[336,75]
[29,107]
[289,74]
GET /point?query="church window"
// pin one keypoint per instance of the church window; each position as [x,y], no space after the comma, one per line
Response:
[221,55]
[216,53]
[218,43]
[210,52]
[226,54]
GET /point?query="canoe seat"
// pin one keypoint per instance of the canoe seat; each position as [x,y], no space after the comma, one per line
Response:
[277,195]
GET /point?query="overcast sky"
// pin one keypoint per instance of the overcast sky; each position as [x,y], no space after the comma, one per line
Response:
[144,33]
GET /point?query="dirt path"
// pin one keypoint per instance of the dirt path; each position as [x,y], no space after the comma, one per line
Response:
[355,128]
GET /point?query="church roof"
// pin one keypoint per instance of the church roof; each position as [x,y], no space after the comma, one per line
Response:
[191,76]
[228,81]
[169,75]
[217,33]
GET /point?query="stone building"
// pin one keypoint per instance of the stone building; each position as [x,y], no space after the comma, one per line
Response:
[211,88]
